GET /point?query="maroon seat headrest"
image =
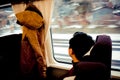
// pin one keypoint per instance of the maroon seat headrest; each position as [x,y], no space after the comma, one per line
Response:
[102,51]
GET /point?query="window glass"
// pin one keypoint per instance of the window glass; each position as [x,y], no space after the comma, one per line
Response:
[8,23]
[91,16]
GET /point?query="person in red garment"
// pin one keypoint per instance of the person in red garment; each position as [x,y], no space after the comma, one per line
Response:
[83,66]
[79,45]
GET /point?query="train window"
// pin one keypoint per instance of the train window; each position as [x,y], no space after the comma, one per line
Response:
[90,16]
[8,23]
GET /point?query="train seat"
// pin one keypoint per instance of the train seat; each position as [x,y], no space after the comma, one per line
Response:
[102,52]
[91,71]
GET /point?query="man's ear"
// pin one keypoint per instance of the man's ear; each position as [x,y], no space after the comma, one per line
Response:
[70,51]
[72,55]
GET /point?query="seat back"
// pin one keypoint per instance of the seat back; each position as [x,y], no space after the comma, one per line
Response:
[102,52]
[91,71]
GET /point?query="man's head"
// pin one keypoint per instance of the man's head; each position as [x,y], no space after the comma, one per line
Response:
[80,44]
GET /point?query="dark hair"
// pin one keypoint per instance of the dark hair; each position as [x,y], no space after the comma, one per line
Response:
[81,44]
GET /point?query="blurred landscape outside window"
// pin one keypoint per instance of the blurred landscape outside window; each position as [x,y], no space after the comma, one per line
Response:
[91,16]
[8,23]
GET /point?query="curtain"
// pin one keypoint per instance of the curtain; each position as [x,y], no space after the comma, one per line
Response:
[36,52]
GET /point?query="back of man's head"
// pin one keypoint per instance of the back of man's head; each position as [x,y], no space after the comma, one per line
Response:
[81,44]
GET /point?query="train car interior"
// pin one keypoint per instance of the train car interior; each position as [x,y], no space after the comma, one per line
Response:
[34,39]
